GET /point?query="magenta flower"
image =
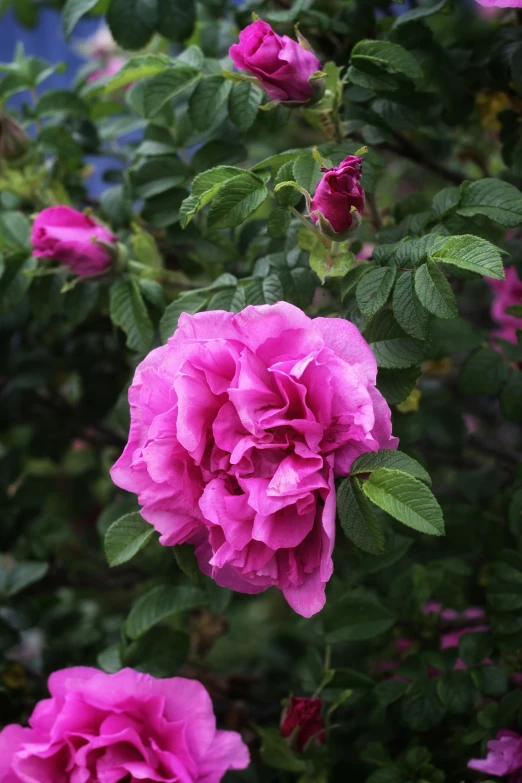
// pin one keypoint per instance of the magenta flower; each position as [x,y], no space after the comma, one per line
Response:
[239,426]
[506,293]
[104,728]
[282,66]
[304,717]
[71,237]
[500,3]
[504,756]
[339,198]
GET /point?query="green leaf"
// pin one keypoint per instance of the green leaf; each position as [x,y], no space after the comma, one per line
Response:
[483,372]
[157,175]
[15,231]
[307,172]
[273,289]
[420,13]
[278,222]
[176,19]
[355,619]
[204,187]
[243,104]
[407,309]
[434,291]
[160,652]
[421,707]
[58,101]
[125,537]
[166,86]
[511,397]
[158,604]
[236,201]
[392,347]
[396,385]
[73,12]
[370,81]
[389,56]
[457,692]
[406,499]
[109,660]
[358,519]
[491,680]
[497,200]
[191,303]
[374,289]
[386,458]
[15,577]
[319,260]
[474,647]
[469,252]
[145,248]
[141,66]
[129,311]
[389,691]
[445,201]
[276,752]
[132,22]
[206,101]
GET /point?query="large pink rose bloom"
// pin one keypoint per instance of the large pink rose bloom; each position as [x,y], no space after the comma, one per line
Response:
[281,64]
[504,756]
[107,728]
[339,197]
[500,3]
[506,293]
[69,236]
[239,426]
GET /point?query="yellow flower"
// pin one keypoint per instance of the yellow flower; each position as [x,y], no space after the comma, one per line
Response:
[489,105]
[411,403]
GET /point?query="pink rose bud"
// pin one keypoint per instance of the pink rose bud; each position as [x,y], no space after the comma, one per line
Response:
[506,293]
[116,727]
[504,755]
[339,199]
[282,65]
[240,425]
[14,143]
[68,236]
[304,717]
[100,45]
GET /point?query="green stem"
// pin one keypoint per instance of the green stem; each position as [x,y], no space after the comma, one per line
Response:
[311,227]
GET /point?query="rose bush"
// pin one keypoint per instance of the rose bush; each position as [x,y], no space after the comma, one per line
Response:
[239,426]
[260,328]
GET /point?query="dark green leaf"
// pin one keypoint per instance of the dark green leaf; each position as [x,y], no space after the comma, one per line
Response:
[392,347]
[176,19]
[132,22]
[434,291]
[159,604]
[358,519]
[128,310]
[407,309]
[497,200]
[374,289]
[483,372]
[373,460]
[243,104]
[125,537]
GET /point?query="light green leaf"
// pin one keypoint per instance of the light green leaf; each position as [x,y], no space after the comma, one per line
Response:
[387,458]
[389,56]
[406,499]
[236,201]
[125,537]
[278,222]
[499,201]
[434,291]
[358,519]
[407,309]
[307,172]
[128,310]
[166,86]
[243,104]
[204,187]
[73,12]
[206,101]
[470,252]
[58,101]
[158,604]
[374,289]
[141,66]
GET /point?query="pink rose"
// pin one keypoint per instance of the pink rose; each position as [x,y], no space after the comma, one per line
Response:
[504,755]
[500,3]
[339,198]
[104,728]
[99,45]
[506,293]
[69,236]
[282,66]
[239,426]
[111,67]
